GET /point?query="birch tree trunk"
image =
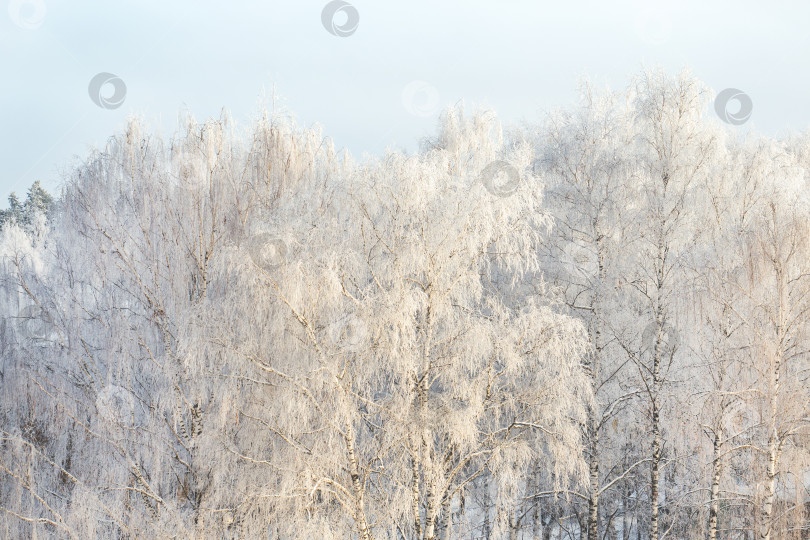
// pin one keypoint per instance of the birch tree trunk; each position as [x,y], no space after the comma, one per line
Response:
[714,504]
[593,497]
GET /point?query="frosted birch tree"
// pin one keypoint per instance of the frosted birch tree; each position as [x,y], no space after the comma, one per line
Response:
[386,319]
[672,151]
[584,151]
[775,313]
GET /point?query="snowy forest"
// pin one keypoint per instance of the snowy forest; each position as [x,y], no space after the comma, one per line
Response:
[591,325]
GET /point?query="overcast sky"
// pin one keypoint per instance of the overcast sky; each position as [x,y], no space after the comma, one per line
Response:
[381,86]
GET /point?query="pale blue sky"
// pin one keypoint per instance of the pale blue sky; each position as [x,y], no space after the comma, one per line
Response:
[521,58]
